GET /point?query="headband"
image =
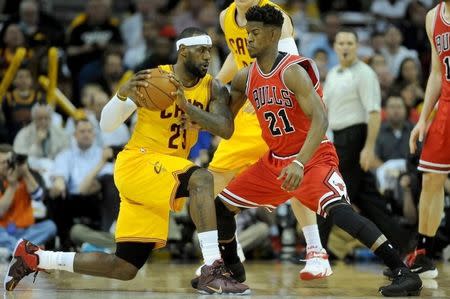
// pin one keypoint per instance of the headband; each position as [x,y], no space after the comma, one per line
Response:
[194,41]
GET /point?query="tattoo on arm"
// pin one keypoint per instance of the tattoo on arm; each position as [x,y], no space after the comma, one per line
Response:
[219,119]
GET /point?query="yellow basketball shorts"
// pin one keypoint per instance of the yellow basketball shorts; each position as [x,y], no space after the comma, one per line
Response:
[147,183]
[243,149]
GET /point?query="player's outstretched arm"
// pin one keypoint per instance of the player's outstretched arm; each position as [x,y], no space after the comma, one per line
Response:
[229,67]
[298,81]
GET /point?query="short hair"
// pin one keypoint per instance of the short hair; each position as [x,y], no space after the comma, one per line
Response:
[348,30]
[83,120]
[266,14]
[5,148]
[38,105]
[191,31]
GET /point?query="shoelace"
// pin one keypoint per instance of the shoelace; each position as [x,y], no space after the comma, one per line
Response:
[314,254]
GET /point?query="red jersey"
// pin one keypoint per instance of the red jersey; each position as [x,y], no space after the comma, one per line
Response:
[283,123]
[441,38]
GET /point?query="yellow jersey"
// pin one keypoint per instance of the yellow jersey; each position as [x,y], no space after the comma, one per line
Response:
[163,131]
[236,36]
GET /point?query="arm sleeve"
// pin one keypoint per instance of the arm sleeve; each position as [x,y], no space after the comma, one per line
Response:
[369,90]
[288,45]
[116,113]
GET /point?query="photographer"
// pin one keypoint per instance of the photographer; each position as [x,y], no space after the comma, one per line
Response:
[18,188]
[83,187]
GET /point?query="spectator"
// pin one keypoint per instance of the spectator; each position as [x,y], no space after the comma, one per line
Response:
[394,52]
[41,140]
[393,138]
[392,145]
[109,77]
[76,177]
[17,103]
[321,59]
[13,38]
[410,75]
[377,42]
[89,35]
[377,62]
[331,26]
[18,189]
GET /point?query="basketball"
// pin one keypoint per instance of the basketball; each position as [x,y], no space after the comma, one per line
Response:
[157,94]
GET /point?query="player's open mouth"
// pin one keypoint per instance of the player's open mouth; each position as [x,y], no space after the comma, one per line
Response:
[204,67]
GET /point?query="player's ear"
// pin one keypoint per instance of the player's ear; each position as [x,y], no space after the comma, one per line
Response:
[183,50]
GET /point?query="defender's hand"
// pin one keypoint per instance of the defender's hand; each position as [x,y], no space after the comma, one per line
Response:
[293,174]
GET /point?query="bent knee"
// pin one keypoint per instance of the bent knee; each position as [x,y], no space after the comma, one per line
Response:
[201,177]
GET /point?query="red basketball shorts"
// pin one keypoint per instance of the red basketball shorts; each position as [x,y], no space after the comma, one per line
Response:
[435,155]
[258,186]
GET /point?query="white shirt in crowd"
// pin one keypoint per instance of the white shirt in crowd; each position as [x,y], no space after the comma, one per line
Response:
[75,164]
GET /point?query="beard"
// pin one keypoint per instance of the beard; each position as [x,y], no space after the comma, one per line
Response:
[195,70]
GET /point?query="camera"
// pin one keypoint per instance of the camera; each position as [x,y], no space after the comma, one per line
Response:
[16,160]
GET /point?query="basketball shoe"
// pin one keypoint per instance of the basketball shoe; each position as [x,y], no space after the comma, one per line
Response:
[215,279]
[419,263]
[236,271]
[405,283]
[317,265]
[24,262]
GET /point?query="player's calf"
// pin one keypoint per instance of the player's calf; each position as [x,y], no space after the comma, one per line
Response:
[405,283]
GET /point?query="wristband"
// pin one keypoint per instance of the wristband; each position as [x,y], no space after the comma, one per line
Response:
[122,98]
[299,163]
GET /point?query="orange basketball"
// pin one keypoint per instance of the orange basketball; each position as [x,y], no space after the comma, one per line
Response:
[157,94]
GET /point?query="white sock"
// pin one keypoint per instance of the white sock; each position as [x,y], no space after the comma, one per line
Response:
[240,251]
[312,237]
[209,243]
[56,260]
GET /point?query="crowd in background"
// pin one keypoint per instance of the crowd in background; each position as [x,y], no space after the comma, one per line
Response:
[72,160]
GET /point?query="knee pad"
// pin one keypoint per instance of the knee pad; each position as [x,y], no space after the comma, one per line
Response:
[226,224]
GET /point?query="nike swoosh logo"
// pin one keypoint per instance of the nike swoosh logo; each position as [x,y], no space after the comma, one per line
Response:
[416,269]
[218,291]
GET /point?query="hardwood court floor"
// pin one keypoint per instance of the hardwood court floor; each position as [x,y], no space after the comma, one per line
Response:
[267,280]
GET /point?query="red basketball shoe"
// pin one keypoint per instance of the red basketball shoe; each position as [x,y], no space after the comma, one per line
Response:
[24,262]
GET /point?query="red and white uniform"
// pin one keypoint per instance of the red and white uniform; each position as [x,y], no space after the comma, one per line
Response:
[435,155]
[284,128]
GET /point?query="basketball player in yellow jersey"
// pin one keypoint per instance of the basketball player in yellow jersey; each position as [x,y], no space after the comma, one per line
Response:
[246,145]
[153,175]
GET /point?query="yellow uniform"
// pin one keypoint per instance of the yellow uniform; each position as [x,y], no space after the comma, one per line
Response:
[146,171]
[246,145]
